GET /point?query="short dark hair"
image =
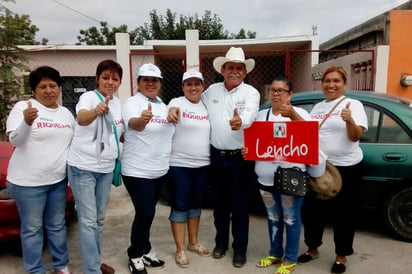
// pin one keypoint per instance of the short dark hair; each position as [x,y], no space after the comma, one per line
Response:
[41,73]
[111,65]
[285,79]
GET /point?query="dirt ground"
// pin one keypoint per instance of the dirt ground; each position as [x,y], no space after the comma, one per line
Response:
[374,252]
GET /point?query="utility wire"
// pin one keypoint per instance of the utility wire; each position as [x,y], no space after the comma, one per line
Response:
[79,12]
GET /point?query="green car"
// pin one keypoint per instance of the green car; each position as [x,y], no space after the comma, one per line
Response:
[387,149]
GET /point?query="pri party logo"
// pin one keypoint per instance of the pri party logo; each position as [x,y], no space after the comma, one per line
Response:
[279,130]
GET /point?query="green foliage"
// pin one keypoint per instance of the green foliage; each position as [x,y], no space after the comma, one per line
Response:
[163,27]
[14,30]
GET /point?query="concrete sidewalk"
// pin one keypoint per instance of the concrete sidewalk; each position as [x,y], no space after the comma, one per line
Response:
[375,253]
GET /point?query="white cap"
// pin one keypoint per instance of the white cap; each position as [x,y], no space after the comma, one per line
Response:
[150,70]
[192,74]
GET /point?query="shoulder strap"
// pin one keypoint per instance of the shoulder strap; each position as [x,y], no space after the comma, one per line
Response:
[327,115]
[267,114]
[114,127]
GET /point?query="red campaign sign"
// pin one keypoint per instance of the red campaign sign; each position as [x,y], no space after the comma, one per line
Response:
[291,141]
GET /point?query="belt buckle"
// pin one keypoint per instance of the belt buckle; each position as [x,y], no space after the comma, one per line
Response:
[223,153]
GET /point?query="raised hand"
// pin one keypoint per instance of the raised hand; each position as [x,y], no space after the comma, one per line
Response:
[147,114]
[346,113]
[235,122]
[102,107]
[30,114]
[287,110]
[173,115]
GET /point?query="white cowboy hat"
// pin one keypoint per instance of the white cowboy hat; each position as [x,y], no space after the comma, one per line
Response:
[328,184]
[235,55]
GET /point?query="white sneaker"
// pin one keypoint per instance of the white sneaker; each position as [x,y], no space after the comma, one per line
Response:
[136,266]
[150,259]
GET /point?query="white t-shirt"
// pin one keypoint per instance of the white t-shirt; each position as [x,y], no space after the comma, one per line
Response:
[146,153]
[82,153]
[191,141]
[333,140]
[220,104]
[41,159]
[265,170]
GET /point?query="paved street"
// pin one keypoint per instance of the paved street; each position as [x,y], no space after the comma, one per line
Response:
[376,253]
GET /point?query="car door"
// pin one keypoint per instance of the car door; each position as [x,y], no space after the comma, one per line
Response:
[387,154]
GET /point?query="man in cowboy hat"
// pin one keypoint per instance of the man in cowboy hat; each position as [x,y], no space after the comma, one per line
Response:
[232,106]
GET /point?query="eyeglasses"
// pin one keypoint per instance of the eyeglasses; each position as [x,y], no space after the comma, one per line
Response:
[278,91]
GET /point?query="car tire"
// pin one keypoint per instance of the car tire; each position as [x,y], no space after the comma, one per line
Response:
[397,214]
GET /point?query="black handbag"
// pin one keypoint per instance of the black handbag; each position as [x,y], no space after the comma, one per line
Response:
[291,181]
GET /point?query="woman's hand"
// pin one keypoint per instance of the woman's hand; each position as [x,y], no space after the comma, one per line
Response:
[147,114]
[353,131]
[30,114]
[103,107]
[173,115]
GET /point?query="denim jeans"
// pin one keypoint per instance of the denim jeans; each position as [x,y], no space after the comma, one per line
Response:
[230,179]
[283,211]
[144,194]
[42,207]
[91,192]
[187,186]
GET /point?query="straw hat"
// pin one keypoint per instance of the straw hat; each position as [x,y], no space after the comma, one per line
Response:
[235,55]
[328,185]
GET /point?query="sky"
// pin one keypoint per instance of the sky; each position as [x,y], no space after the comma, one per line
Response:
[60,21]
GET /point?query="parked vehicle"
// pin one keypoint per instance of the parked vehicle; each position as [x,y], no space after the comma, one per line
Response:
[9,216]
[387,172]
[387,149]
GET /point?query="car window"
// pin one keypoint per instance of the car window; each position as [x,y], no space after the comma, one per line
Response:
[383,129]
[307,106]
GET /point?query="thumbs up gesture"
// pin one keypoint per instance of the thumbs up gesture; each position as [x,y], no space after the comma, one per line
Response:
[346,113]
[235,122]
[30,114]
[173,115]
[287,110]
[147,114]
[102,107]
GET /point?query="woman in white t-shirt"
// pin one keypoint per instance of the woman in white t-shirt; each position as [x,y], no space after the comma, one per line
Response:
[41,131]
[283,211]
[189,163]
[339,138]
[91,160]
[145,162]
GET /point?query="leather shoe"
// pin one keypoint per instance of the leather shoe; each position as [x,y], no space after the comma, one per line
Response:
[338,267]
[106,269]
[306,257]
[219,252]
[239,260]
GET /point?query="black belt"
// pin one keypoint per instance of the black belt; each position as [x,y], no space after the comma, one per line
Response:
[228,152]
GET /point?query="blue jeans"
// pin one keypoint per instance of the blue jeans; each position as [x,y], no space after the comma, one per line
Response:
[144,194]
[42,207]
[187,186]
[91,192]
[283,210]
